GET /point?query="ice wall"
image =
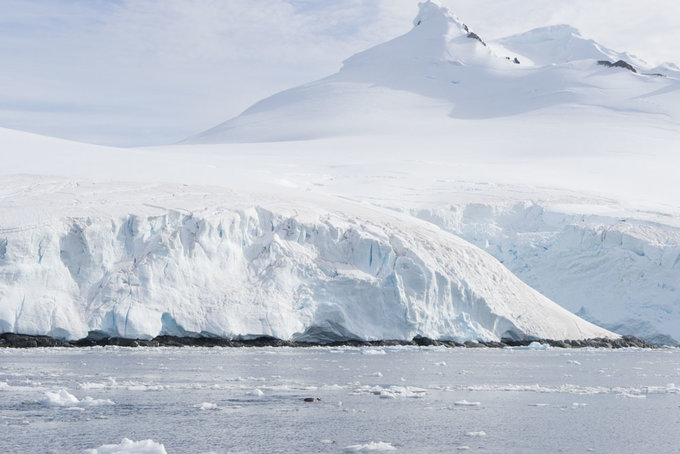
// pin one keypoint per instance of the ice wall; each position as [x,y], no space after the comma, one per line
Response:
[622,273]
[293,273]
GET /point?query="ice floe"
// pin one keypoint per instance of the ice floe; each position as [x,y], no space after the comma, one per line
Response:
[127,446]
[63,398]
[465,403]
[371,446]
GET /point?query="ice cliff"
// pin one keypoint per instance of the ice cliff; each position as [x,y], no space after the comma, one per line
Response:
[237,268]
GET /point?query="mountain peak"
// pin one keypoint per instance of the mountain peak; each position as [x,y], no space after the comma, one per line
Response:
[432,14]
[555,44]
[448,70]
[438,38]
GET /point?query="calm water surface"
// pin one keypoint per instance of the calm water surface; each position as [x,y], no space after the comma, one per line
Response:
[249,400]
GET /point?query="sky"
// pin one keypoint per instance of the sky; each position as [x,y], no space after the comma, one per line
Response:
[149,72]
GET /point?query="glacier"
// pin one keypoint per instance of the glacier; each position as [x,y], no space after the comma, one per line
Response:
[432,186]
[241,268]
[569,164]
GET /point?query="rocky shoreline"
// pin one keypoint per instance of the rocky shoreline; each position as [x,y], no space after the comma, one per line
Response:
[11,340]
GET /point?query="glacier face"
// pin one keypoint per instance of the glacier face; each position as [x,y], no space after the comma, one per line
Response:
[619,272]
[240,268]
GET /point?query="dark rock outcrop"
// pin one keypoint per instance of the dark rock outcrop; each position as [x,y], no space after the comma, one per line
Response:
[473,35]
[26,341]
[618,64]
[12,340]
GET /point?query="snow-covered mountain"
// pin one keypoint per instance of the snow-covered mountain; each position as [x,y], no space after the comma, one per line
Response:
[560,163]
[443,70]
[432,154]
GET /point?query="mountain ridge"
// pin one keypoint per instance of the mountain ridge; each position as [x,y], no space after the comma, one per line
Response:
[442,61]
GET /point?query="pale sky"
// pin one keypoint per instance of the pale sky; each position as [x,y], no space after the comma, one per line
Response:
[142,72]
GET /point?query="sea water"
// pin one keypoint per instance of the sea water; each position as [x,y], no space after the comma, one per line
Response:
[397,399]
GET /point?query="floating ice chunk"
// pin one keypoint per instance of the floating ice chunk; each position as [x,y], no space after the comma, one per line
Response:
[440,363]
[326,442]
[208,406]
[92,385]
[90,402]
[539,405]
[255,392]
[480,433]
[127,446]
[376,374]
[63,398]
[371,446]
[573,361]
[373,351]
[144,387]
[538,346]
[465,403]
[392,391]
[631,395]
